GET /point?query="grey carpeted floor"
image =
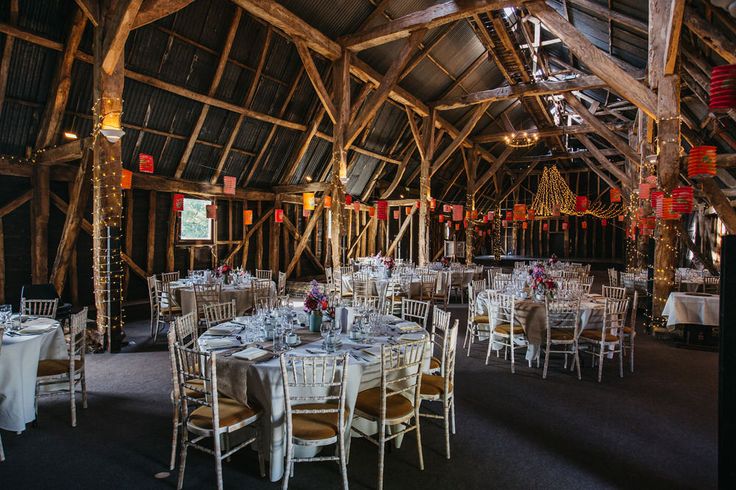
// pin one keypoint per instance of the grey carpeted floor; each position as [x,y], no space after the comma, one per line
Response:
[654,429]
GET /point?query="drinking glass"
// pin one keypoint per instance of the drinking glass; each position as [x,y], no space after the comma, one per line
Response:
[5,313]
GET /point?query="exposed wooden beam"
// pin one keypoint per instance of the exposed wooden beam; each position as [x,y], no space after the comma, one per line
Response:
[605,13]
[298,237]
[483,180]
[600,173]
[399,173]
[251,230]
[720,203]
[120,21]
[460,138]
[517,182]
[546,87]
[496,137]
[464,75]
[7,53]
[601,159]
[304,241]
[672,37]
[429,18]
[15,203]
[221,64]
[91,9]
[299,188]
[389,81]
[358,149]
[66,152]
[153,10]
[599,62]
[314,76]
[719,43]
[402,230]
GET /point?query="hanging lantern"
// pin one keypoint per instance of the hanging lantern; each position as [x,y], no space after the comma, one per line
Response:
[655,197]
[722,88]
[620,217]
[446,208]
[211,211]
[432,204]
[348,199]
[278,216]
[581,204]
[356,206]
[382,210]
[644,189]
[441,218]
[229,184]
[565,225]
[457,226]
[474,214]
[524,225]
[584,225]
[145,163]
[126,179]
[247,217]
[615,194]
[371,211]
[491,215]
[509,216]
[519,212]
[545,227]
[328,201]
[604,222]
[407,209]
[530,215]
[682,199]
[485,218]
[457,212]
[397,214]
[178,202]
[701,162]
[664,209]
[308,200]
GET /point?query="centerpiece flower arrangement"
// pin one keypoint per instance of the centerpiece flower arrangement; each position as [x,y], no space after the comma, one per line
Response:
[316,303]
[224,271]
[552,260]
[540,283]
[389,263]
[445,261]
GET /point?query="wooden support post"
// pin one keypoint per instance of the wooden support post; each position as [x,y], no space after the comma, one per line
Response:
[259,238]
[2,263]
[171,239]
[425,188]
[471,170]
[273,257]
[339,156]
[128,237]
[303,241]
[40,224]
[151,242]
[402,230]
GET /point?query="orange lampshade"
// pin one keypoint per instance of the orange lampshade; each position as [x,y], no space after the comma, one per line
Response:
[308,200]
[126,179]
[328,201]
[248,217]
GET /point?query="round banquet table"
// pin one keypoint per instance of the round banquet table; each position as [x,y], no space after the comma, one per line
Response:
[695,308]
[260,381]
[532,316]
[413,290]
[18,365]
[241,293]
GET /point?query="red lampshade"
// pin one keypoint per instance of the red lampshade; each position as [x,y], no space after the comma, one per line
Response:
[397,214]
[530,215]
[211,211]
[620,217]
[524,225]
[432,204]
[701,162]
[457,212]
[664,209]
[519,212]
[565,225]
[328,201]
[545,226]
[178,202]
[247,217]
[581,204]
[722,88]
[229,184]
[485,218]
[505,223]
[604,222]
[126,179]
[509,216]
[441,218]
[584,225]
[145,163]
[682,199]
[644,189]
[491,215]
[615,194]
[382,210]
[371,211]
[278,216]
[655,197]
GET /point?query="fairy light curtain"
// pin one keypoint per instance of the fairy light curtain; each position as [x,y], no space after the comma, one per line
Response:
[554,196]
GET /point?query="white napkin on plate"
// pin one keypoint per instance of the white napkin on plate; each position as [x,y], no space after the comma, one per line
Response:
[218,343]
[412,336]
[250,353]
[39,325]
[408,327]
[224,329]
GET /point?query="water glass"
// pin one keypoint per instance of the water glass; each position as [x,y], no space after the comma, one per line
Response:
[6,312]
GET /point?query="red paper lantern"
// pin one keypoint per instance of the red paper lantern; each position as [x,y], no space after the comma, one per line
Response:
[530,215]
[655,197]
[247,217]
[545,227]
[397,214]
[701,162]
[457,226]
[356,206]
[485,218]
[604,222]
[371,211]
[408,210]
[474,214]
[126,179]
[664,209]
[682,199]
[652,181]
[229,184]
[432,204]
[211,211]
[441,218]
[505,223]
[491,215]
[615,194]
[644,189]
[722,88]
[278,216]
[620,217]
[145,163]
[328,201]
[565,225]
[419,204]
[382,210]
[178,202]
[581,204]
[509,216]
[457,212]
[348,199]
[584,225]
[519,212]
[446,208]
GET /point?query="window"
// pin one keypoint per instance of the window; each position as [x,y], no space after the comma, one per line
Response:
[195,226]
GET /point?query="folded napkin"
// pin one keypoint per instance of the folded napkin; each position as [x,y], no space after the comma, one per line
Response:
[412,336]
[250,353]
[408,327]
[39,325]
[224,329]
[218,343]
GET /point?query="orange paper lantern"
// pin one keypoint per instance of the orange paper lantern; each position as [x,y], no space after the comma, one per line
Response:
[615,194]
[126,179]
[308,200]
[408,210]
[441,218]
[229,184]
[519,212]
[581,204]
[328,201]
[371,211]
[682,199]
[278,216]
[457,212]
[524,225]
[584,225]
[432,204]
[247,217]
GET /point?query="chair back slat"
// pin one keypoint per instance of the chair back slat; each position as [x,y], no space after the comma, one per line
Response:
[414,310]
[264,274]
[186,331]
[167,277]
[217,313]
[45,308]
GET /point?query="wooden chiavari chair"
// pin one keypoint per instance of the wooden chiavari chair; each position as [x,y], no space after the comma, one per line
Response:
[186,331]
[2,451]
[613,278]
[395,403]
[153,299]
[262,294]
[42,308]
[629,331]
[440,387]
[315,409]
[504,330]
[416,311]
[206,294]
[169,276]
[428,285]
[217,313]
[214,417]
[361,286]
[264,274]
[587,281]
[441,295]
[609,338]
[711,284]
[71,372]
[167,306]
[563,330]
[613,292]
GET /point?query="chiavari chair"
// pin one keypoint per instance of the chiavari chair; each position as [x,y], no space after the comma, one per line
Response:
[613,278]
[428,285]
[476,323]
[169,276]
[587,281]
[562,332]
[70,372]
[205,294]
[315,410]
[362,285]
[441,295]
[262,294]
[608,339]
[416,311]
[42,308]
[613,292]
[214,417]
[264,274]
[217,313]
[711,284]
[440,324]
[395,403]
[504,330]
[394,295]
[629,331]
[153,299]
[440,387]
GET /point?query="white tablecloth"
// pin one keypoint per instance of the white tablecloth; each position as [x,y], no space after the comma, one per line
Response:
[242,294]
[18,365]
[694,308]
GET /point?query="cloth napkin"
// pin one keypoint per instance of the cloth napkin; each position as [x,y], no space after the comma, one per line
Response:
[224,329]
[39,325]
[408,327]
[218,343]
[412,336]
[250,353]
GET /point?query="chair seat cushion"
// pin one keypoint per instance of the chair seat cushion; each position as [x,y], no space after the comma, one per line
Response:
[55,367]
[505,328]
[595,335]
[315,426]
[482,319]
[231,413]
[397,297]
[628,330]
[562,334]
[434,363]
[198,383]
[433,385]
[369,402]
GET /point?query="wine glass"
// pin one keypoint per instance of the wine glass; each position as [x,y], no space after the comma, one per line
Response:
[5,313]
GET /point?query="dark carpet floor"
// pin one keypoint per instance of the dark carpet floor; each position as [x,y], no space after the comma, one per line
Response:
[654,429]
